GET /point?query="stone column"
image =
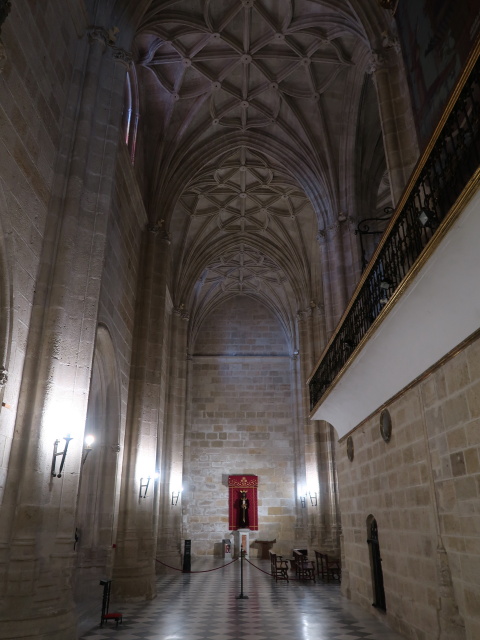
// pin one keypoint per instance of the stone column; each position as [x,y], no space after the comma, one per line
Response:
[394,105]
[134,570]
[333,275]
[38,513]
[170,525]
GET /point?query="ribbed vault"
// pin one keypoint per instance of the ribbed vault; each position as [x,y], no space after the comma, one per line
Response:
[249,111]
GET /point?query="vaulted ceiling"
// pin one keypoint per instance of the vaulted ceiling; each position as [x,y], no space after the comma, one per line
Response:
[259,127]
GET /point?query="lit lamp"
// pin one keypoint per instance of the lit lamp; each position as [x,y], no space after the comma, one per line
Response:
[57,453]
[89,440]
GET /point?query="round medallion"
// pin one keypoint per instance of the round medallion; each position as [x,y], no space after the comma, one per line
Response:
[350,448]
[386,425]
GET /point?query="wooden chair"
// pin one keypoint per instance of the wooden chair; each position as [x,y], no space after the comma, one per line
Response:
[117,617]
[278,567]
[328,568]
[305,568]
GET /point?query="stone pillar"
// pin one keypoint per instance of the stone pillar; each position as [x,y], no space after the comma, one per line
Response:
[38,513]
[170,525]
[134,570]
[394,105]
[333,275]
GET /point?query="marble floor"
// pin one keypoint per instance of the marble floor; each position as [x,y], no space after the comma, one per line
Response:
[205,606]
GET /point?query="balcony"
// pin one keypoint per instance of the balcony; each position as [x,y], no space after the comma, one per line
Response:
[420,294]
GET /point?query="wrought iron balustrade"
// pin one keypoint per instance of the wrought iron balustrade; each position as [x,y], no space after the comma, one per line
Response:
[452,161]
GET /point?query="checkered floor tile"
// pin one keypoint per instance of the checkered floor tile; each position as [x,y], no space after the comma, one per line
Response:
[205,606]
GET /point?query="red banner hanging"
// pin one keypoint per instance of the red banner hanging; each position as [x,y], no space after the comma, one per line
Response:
[242,502]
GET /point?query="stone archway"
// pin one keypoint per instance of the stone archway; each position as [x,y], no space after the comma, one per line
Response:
[96,506]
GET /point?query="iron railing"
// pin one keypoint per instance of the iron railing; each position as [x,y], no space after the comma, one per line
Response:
[452,161]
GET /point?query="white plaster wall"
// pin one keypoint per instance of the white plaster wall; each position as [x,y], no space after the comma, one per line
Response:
[438,311]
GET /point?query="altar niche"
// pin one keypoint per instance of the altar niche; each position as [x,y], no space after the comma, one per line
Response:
[243,503]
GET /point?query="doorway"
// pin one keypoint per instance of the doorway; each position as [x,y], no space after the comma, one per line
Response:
[376,565]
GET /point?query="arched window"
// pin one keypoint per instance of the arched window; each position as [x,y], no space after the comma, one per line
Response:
[131,111]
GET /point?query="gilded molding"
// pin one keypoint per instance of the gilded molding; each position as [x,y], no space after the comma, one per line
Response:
[467,193]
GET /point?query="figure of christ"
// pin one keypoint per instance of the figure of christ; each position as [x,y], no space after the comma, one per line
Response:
[243,509]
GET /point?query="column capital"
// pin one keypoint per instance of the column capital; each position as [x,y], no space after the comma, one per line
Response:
[122,56]
[385,54]
[98,34]
[181,312]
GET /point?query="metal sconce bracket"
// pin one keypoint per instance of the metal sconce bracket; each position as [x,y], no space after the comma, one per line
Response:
[59,453]
[89,440]
[144,487]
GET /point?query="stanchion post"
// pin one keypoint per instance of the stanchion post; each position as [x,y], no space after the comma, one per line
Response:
[187,557]
[241,596]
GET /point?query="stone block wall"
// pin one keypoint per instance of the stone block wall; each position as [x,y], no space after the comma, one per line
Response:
[241,421]
[36,71]
[120,276]
[94,551]
[423,488]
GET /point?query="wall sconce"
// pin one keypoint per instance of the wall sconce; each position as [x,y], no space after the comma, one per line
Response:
[175,497]
[313,499]
[89,440]
[56,453]
[303,500]
[142,493]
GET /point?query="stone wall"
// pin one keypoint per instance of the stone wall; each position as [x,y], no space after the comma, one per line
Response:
[36,69]
[97,526]
[241,421]
[423,489]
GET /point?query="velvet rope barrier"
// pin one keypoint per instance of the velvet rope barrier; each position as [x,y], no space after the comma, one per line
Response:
[266,572]
[203,571]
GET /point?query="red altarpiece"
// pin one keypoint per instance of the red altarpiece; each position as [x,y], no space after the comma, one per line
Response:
[236,484]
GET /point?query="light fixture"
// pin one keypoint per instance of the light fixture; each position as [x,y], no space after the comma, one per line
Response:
[145,483]
[175,497]
[63,453]
[144,487]
[303,500]
[313,499]
[89,440]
